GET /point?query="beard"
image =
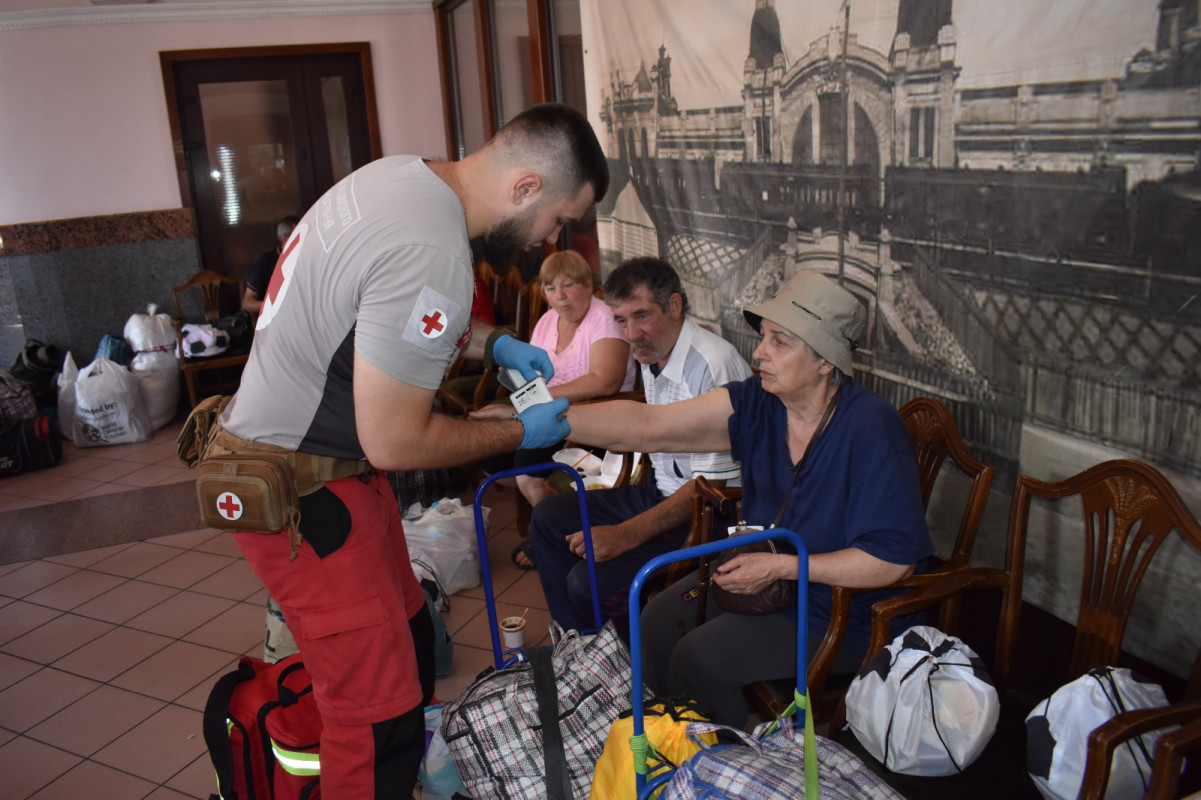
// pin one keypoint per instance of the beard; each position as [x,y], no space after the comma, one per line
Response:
[502,244]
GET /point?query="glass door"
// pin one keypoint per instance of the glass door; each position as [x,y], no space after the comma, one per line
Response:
[263,138]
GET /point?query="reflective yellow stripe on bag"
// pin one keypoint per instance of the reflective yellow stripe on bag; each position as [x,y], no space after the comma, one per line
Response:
[296,762]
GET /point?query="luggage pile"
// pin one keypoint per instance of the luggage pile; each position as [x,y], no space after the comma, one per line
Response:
[552,723]
[29,433]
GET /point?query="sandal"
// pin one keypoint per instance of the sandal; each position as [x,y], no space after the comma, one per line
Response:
[526,548]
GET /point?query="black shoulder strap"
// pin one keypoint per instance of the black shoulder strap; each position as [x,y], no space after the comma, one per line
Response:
[558,784]
[216,734]
[287,695]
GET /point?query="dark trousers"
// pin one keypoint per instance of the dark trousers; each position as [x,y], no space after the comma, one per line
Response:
[712,662]
[565,576]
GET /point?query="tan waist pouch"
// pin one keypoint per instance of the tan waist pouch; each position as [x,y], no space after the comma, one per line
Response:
[247,493]
[253,486]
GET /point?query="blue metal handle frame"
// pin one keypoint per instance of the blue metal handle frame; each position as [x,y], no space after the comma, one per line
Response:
[689,553]
[498,656]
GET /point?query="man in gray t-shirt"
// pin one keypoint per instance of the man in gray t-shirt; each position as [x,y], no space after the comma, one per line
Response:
[368,305]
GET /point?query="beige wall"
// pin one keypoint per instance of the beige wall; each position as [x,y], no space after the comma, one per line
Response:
[83,118]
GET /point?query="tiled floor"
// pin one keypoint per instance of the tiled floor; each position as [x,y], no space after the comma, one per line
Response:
[107,655]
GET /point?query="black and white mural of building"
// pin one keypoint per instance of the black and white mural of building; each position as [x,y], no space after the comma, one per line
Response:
[1013,190]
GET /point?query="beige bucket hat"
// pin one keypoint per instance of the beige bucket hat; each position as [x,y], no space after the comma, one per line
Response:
[825,315]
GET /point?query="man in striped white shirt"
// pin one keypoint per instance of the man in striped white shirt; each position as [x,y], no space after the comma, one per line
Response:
[632,524]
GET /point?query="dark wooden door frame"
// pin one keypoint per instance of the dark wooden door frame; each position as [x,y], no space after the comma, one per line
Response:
[169,59]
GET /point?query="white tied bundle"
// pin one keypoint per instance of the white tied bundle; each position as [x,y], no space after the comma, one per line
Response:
[925,704]
[1057,734]
[152,337]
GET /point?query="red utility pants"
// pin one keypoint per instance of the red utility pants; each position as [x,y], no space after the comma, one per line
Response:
[350,612]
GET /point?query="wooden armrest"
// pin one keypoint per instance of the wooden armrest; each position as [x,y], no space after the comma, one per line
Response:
[710,495]
[936,590]
[705,498]
[1107,738]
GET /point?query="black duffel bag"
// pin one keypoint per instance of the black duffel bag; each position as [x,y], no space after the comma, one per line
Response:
[29,444]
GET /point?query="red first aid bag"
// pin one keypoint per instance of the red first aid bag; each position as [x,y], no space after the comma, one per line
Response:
[263,730]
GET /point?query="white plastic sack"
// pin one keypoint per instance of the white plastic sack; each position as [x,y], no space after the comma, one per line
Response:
[925,704]
[154,364]
[1057,734]
[108,406]
[444,538]
[66,394]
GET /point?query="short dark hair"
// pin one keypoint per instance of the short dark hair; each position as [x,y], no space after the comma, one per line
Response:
[561,142]
[654,273]
[286,224]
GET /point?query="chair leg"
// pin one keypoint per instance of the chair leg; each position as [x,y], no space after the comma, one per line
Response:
[188,379]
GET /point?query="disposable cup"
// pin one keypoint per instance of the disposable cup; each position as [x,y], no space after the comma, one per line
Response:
[512,631]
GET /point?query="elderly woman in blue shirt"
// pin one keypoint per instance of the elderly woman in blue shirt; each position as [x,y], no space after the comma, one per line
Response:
[855,499]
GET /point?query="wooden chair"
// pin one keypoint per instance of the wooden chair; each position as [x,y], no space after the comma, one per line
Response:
[1127,511]
[203,297]
[936,438]
[510,298]
[467,387]
[711,507]
[533,307]
[463,393]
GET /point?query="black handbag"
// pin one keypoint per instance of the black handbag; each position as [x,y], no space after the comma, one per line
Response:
[779,594]
[238,328]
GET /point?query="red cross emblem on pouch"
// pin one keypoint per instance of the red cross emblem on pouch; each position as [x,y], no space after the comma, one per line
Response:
[230,506]
[433,323]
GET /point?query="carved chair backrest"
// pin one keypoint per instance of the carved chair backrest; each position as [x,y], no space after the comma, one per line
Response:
[936,437]
[207,285]
[1128,511]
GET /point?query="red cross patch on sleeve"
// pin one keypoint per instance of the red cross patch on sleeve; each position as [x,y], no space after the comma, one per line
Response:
[433,323]
[434,315]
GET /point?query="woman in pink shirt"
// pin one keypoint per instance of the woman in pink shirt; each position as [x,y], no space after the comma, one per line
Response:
[591,357]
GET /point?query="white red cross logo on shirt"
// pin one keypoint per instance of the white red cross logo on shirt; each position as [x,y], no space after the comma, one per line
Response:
[229,506]
[433,323]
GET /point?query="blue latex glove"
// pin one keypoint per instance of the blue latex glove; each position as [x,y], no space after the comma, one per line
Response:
[545,424]
[515,354]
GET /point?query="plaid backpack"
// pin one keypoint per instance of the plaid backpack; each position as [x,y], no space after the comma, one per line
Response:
[16,399]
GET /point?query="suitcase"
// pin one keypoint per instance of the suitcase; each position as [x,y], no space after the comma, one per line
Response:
[262,729]
[506,656]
